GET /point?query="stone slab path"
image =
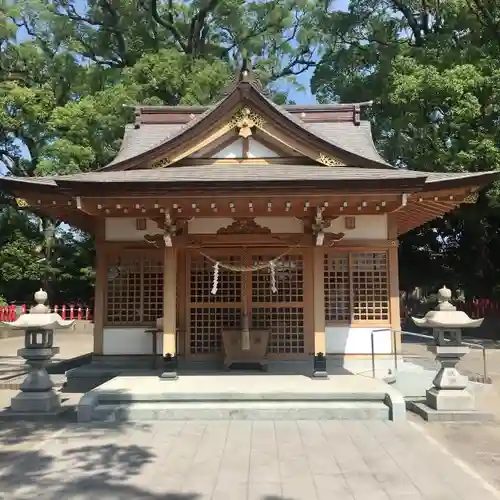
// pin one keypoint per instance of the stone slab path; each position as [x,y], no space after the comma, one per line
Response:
[236,460]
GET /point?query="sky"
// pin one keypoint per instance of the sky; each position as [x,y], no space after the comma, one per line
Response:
[305,96]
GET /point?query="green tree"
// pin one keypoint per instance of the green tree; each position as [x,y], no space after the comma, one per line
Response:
[70,72]
[431,69]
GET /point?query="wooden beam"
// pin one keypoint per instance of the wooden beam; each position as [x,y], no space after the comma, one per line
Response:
[181,207]
[394,301]
[169,302]
[245,147]
[319,301]
[101,283]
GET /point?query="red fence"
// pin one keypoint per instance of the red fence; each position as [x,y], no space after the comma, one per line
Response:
[480,308]
[11,313]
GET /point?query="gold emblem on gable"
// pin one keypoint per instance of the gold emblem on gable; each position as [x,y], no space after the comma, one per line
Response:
[245,119]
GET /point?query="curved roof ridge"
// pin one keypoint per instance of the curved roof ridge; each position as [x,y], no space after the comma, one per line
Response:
[239,94]
[307,126]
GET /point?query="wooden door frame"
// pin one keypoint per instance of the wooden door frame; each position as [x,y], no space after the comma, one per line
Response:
[307,304]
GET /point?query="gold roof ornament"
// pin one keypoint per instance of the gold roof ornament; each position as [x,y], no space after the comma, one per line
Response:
[329,161]
[161,163]
[471,197]
[245,120]
[22,203]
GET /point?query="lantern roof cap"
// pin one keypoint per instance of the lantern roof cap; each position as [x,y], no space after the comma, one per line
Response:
[446,315]
[39,317]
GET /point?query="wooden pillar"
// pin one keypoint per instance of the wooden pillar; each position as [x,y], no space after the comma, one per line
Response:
[169,303]
[394,300]
[319,313]
[101,283]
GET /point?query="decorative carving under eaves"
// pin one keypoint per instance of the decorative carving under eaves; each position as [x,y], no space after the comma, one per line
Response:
[163,162]
[329,161]
[332,238]
[321,223]
[245,119]
[155,239]
[169,231]
[244,226]
[471,198]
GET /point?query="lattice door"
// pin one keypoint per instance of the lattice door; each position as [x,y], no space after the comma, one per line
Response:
[282,312]
[370,284]
[134,294]
[209,314]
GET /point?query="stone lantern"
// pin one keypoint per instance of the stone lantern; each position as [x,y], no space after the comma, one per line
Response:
[448,394]
[37,394]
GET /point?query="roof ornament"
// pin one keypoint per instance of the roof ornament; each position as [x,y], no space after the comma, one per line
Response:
[245,120]
[245,74]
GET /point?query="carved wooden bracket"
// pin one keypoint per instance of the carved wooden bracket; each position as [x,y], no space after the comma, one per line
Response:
[319,225]
[332,238]
[169,231]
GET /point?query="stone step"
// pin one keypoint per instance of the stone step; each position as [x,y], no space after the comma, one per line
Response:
[241,410]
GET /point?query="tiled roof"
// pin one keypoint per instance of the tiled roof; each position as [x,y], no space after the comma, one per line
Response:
[149,137]
[348,136]
[245,173]
[441,176]
[137,140]
[241,173]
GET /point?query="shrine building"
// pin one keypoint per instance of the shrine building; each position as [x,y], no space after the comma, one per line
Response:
[247,216]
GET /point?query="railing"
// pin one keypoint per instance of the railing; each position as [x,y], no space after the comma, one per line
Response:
[484,378]
[12,312]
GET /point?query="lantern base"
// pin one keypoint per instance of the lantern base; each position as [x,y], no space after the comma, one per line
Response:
[449,400]
[36,402]
[432,415]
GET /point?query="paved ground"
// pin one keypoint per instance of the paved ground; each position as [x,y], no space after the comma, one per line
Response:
[71,345]
[251,460]
[296,460]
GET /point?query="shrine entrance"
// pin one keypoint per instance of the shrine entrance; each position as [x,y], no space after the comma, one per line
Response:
[279,299]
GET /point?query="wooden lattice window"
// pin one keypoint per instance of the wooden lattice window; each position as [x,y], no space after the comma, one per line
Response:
[152,284]
[356,286]
[337,290]
[207,325]
[281,312]
[202,277]
[209,313]
[289,280]
[370,286]
[286,325]
[134,294]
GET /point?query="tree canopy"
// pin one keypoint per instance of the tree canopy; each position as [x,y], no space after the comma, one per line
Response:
[70,72]
[432,70]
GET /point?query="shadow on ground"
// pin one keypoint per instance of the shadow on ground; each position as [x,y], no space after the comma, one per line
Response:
[76,469]
[77,472]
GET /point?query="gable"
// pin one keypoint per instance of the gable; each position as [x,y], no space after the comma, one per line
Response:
[242,148]
[245,148]
[258,150]
[246,112]
[232,146]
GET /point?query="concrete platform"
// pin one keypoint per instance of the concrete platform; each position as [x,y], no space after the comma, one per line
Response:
[241,396]
[431,415]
